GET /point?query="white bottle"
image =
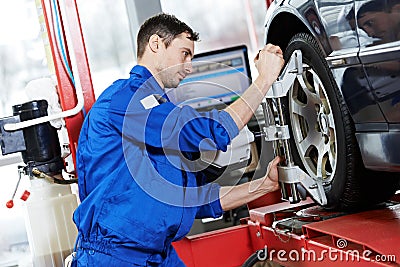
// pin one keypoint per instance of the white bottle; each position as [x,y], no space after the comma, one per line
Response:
[50,228]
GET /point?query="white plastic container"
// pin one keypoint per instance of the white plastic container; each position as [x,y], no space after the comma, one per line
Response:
[50,229]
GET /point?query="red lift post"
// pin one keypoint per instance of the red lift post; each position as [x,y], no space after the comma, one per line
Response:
[66,88]
[268,2]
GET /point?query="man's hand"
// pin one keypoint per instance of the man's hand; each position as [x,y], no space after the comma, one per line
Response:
[269,62]
[234,196]
[271,176]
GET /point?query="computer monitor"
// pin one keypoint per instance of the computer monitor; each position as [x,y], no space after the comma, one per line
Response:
[219,77]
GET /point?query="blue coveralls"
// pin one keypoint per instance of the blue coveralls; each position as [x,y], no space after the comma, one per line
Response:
[138,187]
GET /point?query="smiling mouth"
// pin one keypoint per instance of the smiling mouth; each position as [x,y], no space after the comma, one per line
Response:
[380,35]
[183,76]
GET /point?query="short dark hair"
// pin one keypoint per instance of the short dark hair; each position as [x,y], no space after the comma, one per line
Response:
[376,6]
[350,15]
[164,25]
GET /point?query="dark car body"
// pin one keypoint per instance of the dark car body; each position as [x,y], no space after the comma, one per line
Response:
[364,58]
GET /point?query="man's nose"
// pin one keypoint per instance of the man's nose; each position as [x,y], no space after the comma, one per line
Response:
[188,67]
[370,31]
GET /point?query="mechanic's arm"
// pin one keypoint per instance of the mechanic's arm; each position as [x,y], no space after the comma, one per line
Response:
[235,196]
[269,62]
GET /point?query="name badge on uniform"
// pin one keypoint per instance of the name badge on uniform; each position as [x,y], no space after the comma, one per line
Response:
[152,101]
[149,102]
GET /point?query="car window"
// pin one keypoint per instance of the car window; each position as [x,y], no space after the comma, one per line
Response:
[338,17]
[379,20]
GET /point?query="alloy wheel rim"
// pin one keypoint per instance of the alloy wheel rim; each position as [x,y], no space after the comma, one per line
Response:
[313,125]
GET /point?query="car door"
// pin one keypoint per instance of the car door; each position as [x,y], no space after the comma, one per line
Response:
[378,27]
[338,18]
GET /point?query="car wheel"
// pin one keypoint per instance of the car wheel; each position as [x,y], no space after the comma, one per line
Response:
[322,132]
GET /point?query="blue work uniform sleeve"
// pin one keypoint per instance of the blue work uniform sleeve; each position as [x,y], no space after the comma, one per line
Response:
[170,127]
[213,209]
[210,193]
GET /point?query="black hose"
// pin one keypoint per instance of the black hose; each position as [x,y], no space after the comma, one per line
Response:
[70,181]
[51,178]
[254,258]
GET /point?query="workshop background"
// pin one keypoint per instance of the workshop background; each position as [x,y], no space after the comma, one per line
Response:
[109,28]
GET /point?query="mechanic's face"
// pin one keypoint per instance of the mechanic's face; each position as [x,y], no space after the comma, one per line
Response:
[176,61]
[376,24]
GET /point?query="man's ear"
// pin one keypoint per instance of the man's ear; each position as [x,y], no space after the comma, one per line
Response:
[154,42]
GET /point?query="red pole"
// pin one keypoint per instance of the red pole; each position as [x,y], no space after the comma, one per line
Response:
[65,88]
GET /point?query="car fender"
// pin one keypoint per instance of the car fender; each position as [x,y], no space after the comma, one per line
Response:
[278,20]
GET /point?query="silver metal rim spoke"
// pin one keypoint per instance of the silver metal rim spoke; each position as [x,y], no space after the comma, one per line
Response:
[314,126]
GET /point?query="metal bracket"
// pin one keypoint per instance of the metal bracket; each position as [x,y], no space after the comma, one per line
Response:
[293,68]
[292,179]
[293,175]
[276,132]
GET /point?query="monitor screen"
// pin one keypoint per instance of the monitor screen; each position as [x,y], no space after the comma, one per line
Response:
[218,78]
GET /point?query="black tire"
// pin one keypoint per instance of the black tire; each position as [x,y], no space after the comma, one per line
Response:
[254,260]
[336,156]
